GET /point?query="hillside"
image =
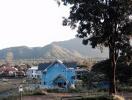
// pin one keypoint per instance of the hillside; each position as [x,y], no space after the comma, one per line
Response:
[70,49]
[49,51]
[85,50]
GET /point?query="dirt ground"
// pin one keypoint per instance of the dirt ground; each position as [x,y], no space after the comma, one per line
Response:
[50,96]
[38,98]
[58,96]
[8,85]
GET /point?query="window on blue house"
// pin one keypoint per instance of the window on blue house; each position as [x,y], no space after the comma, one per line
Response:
[44,83]
[38,76]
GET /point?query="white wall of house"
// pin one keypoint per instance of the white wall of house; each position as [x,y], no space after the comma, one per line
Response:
[33,72]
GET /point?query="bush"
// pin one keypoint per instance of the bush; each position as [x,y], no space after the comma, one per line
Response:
[95,98]
[74,90]
[125,88]
[53,90]
[39,92]
[114,97]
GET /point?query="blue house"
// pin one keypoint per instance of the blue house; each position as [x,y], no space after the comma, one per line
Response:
[57,74]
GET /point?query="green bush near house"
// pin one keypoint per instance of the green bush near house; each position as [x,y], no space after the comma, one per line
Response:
[106,97]
[125,88]
[63,90]
[94,98]
[74,90]
[39,92]
[53,90]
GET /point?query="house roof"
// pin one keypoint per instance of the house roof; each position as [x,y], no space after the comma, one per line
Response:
[8,68]
[34,67]
[56,62]
[70,64]
[43,66]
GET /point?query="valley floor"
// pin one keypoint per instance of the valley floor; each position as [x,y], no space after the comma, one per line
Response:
[10,87]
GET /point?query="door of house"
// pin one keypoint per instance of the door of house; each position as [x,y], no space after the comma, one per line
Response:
[61,84]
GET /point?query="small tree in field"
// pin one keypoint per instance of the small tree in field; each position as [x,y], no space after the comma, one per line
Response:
[102,22]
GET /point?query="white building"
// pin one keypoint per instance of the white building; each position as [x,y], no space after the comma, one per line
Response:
[33,72]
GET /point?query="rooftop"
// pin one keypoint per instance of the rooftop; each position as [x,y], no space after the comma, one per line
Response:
[43,66]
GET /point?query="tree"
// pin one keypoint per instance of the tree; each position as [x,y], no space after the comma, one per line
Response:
[102,22]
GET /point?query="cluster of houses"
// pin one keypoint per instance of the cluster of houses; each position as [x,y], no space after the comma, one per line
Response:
[56,74]
[13,71]
[51,75]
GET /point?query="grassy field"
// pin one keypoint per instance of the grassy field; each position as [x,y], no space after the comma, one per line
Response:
[9,84]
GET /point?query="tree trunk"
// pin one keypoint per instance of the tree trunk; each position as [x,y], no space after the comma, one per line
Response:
[112,78]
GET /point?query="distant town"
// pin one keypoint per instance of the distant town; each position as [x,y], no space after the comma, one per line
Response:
[30,73]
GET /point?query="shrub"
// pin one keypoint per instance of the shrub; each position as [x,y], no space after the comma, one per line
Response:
[125,88]
[114,97]
[39,92]
[94,98]
[74,90]
[53,90]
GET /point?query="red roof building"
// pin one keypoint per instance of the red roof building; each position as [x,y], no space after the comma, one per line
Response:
[8,70]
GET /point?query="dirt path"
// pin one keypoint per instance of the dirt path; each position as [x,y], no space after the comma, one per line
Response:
[38,98]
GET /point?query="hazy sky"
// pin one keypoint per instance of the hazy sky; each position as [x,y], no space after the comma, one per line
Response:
[32,23]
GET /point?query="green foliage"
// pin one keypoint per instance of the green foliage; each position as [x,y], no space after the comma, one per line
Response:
[101,21]
[125,88]
[53,90]
[63,91]
[38,93]
[95,98]
[74,90]
[91,78]
[113,97]
[123,70]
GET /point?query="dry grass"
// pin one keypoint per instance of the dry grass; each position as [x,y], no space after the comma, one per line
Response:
[10,84]
[118,97]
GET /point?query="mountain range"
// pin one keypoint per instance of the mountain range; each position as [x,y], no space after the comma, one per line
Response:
[69,49]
